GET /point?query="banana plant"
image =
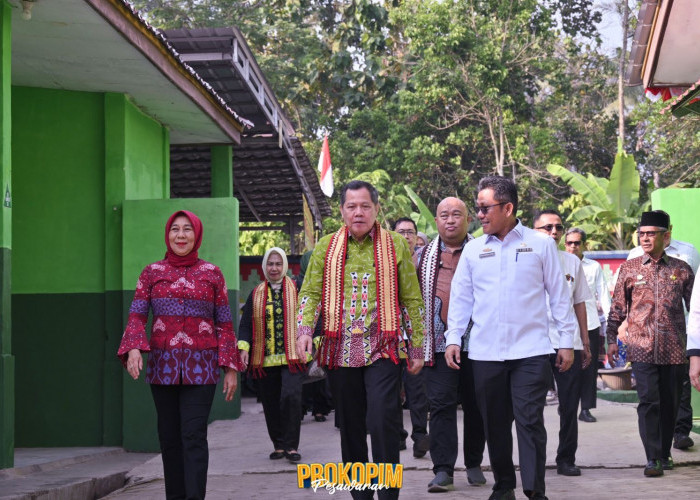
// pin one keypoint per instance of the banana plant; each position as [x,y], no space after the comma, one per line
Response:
[424,218]
[610,208]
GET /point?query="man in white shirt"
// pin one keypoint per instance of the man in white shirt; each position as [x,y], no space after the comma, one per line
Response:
[568,382]
[693,347]
[500,283]
[573,243]
[684,422]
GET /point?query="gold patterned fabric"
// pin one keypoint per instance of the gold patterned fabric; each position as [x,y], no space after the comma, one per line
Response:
[650,295]
[289,302]
[388,314]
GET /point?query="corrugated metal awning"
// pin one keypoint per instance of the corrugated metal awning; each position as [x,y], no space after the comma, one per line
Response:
[270,168]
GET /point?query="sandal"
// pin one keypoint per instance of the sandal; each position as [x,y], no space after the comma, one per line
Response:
[276,455]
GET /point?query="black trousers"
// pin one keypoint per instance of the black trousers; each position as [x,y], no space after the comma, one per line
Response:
[446,388]
[569,392]
[367,400]
[514,390]
[658,388]
[417,399]
[684,421]
[589,382]
[183,411]
[280,394]
[316,398]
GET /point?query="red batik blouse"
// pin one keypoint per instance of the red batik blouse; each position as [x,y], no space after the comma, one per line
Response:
[191,334]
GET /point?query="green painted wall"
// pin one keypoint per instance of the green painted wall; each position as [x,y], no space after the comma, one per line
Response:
[7,360]
[144,234]
[58,195]
[221,172]
[683,205]
[96,151]
[57,270]
[137,166]
[143,243]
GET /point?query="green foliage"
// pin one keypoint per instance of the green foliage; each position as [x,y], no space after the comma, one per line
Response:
[424,218]
[392,203]
[607,209]
[257,242]
[433,95]
[667,149]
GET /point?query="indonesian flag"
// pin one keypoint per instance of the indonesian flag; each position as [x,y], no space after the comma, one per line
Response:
[326,169]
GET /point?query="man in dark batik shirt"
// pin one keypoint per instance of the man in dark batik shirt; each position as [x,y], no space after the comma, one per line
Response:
[650,291]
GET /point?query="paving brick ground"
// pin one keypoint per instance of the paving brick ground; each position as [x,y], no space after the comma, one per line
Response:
[610,454]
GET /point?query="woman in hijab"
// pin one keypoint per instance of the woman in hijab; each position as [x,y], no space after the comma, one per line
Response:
[268,345]
[191,339]
[421,240]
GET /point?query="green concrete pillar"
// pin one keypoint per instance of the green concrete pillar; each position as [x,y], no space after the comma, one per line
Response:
[7,360]
[137,166]
[221,172]
[682,205]
[115,160]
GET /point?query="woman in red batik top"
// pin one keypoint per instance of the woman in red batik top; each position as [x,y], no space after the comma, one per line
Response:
[192,339]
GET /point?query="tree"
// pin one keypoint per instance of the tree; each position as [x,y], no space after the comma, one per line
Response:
[667,150]
[607,209]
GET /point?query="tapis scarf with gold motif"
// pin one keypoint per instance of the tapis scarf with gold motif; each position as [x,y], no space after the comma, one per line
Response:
[427,276]
[289,304]
[388,315]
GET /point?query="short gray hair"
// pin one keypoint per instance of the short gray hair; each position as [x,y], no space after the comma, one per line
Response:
[577,230]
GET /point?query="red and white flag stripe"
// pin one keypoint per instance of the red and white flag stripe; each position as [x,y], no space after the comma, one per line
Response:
[326,169]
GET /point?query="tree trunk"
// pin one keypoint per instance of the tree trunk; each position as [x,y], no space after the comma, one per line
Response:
[620,84]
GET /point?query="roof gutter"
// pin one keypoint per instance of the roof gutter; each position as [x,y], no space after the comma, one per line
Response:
[639,52]
[156,49]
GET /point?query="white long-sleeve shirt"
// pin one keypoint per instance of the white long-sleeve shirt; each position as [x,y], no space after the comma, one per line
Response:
[502,286]
[599,289]
[693,328]
[578,290]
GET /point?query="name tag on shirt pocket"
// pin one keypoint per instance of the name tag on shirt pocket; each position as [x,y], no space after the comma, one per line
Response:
[523,250]
[484,255]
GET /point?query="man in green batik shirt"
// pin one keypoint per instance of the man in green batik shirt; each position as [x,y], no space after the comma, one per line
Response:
[355,279]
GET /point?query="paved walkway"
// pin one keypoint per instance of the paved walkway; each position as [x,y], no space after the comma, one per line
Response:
[610,453]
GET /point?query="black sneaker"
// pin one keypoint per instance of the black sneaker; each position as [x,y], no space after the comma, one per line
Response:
[475,477]
[667,463]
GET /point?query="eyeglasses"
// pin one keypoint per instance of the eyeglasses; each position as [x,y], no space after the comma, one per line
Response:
[549,227]
[574,243]
[485,209]
[406,232]
[650,234]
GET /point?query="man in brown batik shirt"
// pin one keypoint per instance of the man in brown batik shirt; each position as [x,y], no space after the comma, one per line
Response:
[650,291]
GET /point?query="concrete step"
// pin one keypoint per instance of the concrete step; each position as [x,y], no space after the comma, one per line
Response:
[68,474]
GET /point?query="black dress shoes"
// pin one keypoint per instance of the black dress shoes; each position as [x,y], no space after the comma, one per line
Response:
[568,470]
[585,416]
[682,442]
[502,495]
[653,469]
